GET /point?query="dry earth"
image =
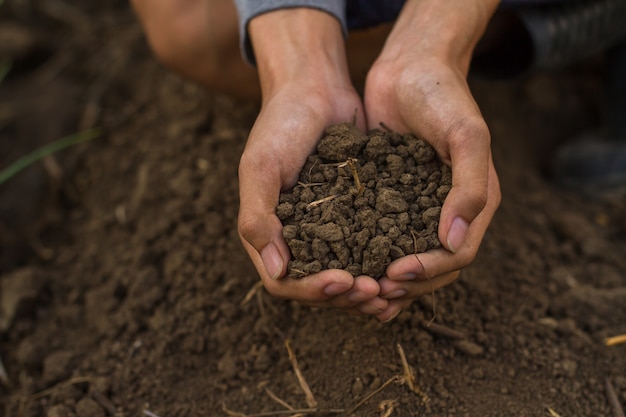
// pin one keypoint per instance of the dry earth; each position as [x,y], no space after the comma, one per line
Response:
[122,280]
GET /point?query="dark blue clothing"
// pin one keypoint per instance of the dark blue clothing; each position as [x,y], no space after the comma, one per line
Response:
[361,14]
[557,32]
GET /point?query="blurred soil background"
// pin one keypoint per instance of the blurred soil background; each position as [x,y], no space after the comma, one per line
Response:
[123,283]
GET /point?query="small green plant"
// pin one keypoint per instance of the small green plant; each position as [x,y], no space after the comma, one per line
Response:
[46,150]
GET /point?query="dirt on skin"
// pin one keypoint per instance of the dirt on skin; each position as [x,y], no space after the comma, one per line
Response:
[123,285]
[363,201]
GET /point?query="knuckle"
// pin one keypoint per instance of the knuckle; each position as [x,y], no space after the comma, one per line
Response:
[274,291]
[247,161]
[247,225]
[466,256]
[469,133]
[477,198]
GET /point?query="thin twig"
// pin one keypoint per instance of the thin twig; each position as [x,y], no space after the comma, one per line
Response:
[321,201]
[251,293]
[552,412]
[310,411]
[387,407]
[616,406]
[4,377]
[298,271]
[351,163]
[259,302]
[395,378]
[311,169]
[71,381]
[310,399]
[149,413]
[432,288]
[441,330]
[139,192]
[615,340]
[277,399]
[409,375]
[310,184]
[232,413]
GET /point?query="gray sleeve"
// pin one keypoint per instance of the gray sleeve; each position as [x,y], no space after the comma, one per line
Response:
[249,9]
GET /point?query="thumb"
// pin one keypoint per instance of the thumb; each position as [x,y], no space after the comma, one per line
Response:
[470,157]
[262,237]
[259,228]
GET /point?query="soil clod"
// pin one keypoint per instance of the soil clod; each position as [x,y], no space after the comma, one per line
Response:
[363,201]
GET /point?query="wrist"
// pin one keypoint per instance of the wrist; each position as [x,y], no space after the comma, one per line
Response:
[442,30]
[298,46]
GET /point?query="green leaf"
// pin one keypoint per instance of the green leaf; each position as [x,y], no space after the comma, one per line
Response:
[46,150]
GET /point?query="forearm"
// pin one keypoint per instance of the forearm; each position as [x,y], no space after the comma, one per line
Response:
[300,45]
[445,29]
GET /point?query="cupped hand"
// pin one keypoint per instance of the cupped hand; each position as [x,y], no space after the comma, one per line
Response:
[285,133]
[306,87]
[431,99]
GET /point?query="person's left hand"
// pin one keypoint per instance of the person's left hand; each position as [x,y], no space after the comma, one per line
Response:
[415,88]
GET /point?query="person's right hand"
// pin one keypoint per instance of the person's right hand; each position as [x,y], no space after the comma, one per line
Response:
[306,88]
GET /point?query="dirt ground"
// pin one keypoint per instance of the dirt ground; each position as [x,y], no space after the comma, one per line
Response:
[123,284]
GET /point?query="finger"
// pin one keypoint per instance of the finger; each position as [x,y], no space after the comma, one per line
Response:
[422,266]
[364,289]
[394,308]
[410,290]
[362,297]
[373,307]
[317,290]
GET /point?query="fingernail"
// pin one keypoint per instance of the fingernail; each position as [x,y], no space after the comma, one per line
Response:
[456,234]
[392,317]
[395,294]
[272,260]
[370,309]
[336,288]
[409,276]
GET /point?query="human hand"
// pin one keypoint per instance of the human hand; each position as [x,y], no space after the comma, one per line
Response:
[419,85]
[305,89]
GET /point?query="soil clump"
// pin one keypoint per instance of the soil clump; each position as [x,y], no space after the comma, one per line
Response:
[363,201]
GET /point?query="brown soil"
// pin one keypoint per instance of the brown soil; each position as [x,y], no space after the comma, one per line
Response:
[123,284]
[350,209]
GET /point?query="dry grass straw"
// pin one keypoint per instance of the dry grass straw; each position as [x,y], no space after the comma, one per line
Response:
[310,399]
[387,407]
[614,402]
[615,340]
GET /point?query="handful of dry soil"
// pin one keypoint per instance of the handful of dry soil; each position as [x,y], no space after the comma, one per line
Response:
[363,201]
